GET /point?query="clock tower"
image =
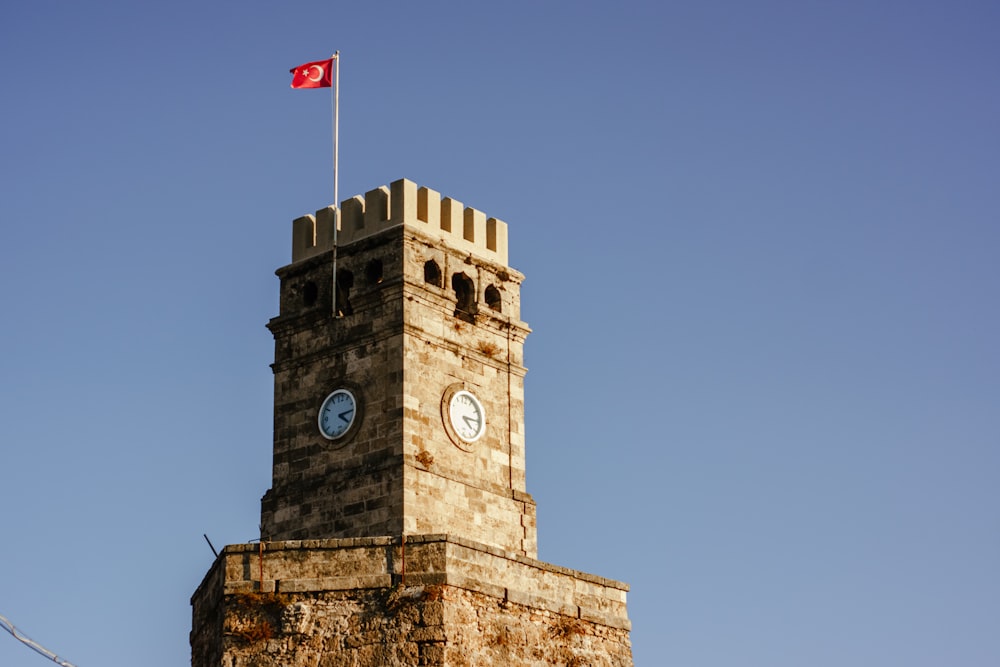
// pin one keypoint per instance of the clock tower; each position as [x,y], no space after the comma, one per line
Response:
[398,530]
[399,384]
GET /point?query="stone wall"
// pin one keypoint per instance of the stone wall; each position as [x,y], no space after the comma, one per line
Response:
[401,348]
[351,487]
[434,600]
[476,490]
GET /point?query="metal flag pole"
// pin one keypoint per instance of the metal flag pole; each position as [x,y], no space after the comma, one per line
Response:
[336,159]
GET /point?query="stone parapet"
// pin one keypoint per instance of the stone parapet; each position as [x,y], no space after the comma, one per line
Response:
[299,566]
[401,203]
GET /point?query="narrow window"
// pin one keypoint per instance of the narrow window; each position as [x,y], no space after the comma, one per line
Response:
[432,273]
[373,272]
[493,298]
[310,293]
[345,281]
[465,296]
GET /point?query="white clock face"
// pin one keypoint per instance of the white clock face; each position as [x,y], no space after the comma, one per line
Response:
[337,414]
[467,416]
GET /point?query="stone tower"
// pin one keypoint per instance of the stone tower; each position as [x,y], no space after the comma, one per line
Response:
[398,529]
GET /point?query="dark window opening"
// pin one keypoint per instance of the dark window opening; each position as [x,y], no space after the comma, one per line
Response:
[493,299]
[432,273]
[373,272]
[310,293]
[465,296]
[345,281]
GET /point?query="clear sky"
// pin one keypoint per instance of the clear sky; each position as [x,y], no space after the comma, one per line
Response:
[761,243]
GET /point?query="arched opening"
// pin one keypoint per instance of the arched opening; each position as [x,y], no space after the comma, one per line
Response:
[432,273]
[493,299]
[465,296]
[345,281]
[373,272]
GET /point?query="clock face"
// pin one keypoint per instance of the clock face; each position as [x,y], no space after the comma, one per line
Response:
[467,416]
[337,414]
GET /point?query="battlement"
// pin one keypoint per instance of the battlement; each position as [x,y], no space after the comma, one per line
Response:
[402,203]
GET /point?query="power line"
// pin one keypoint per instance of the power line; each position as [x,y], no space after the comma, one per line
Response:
[35,646]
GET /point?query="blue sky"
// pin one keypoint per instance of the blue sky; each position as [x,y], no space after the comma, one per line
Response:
[760,242]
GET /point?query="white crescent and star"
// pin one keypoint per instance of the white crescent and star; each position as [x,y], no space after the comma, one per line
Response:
[319,76]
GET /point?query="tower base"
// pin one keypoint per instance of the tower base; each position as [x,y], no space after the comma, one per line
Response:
[381,602]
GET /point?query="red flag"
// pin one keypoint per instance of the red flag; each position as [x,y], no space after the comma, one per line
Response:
[313,75]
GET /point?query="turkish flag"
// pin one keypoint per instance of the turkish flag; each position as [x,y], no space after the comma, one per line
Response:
[313,75]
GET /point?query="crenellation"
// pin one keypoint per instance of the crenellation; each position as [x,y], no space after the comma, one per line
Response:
[496,234]
[451,216]
[352,216]
[376,210]
[401,203]
[304,237]
[404,201]
[474,225]
[326,220]
[428,204]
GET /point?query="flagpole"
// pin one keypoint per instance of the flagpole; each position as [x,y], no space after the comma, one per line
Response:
[336,159]
[336,125]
